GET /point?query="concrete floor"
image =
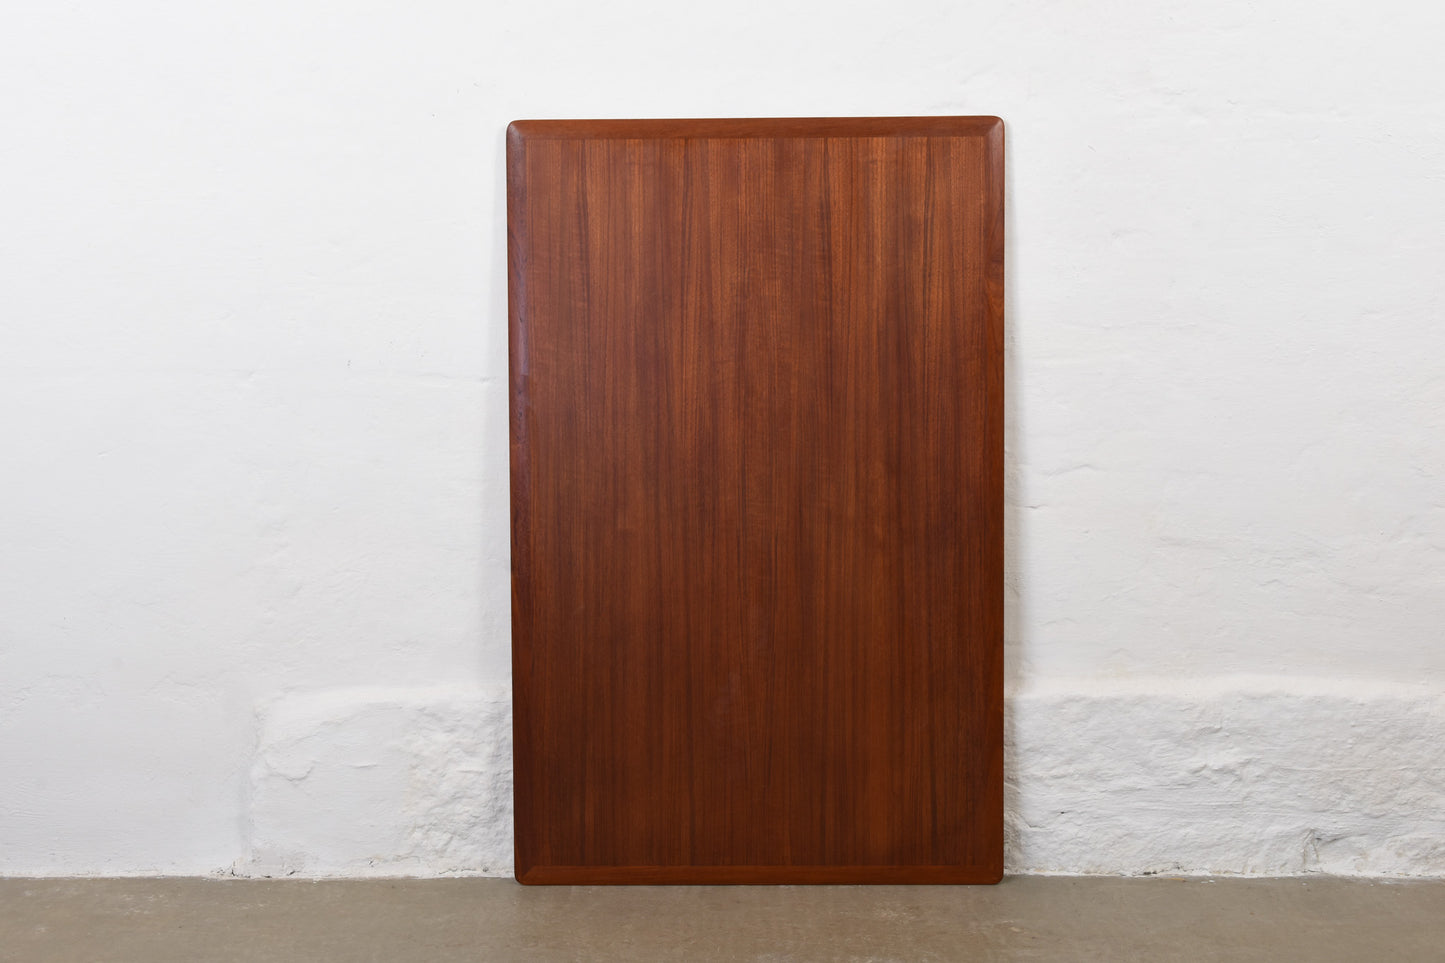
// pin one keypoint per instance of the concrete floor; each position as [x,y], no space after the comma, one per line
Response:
[1024,918]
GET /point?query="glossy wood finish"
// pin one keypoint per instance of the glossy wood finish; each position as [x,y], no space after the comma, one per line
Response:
[757,499]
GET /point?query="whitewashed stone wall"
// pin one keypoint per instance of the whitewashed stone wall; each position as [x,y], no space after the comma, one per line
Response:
[253,497]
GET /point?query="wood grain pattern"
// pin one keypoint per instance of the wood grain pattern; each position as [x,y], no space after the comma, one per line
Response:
[757,499]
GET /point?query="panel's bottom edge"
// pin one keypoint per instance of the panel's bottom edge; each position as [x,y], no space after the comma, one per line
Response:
[756,875]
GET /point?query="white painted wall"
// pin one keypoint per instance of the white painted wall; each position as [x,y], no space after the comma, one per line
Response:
[253,511]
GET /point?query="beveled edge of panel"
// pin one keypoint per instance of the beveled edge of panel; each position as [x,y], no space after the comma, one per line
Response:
[755,127]
[759,875]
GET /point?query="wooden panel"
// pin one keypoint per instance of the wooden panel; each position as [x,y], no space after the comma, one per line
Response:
[757,499]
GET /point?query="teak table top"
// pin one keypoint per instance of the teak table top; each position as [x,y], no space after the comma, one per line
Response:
[757,499]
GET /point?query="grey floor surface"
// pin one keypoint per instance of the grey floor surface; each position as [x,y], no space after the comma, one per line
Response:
[1023,918]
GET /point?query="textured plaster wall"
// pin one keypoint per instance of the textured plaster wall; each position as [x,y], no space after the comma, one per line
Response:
[253,545]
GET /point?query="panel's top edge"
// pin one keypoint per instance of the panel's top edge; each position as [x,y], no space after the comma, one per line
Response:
[760,127]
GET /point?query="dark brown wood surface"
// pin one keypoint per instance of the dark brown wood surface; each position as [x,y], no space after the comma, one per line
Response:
[757,499]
